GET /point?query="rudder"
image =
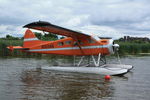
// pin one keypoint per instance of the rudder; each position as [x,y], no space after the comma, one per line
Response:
[30,39]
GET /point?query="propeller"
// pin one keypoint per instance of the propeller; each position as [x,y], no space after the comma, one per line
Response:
[116,47]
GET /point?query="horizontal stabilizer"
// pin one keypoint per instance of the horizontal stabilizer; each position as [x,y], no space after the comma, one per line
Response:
[17,47]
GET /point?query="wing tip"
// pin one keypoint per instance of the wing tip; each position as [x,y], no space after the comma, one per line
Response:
[38,23]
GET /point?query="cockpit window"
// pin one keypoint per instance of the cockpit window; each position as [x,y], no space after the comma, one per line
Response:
[67,42]
[91,41]
[60,43]
[80,42]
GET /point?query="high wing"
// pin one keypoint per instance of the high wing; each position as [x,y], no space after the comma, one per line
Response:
[48,27]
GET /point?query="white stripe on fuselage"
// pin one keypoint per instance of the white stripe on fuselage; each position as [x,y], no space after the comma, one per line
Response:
[30,39]
[71,48]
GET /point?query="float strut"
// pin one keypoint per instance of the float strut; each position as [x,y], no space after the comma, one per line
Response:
[98,60]
[80,61]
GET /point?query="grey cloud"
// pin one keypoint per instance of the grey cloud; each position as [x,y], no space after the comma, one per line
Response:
[132,15]
[122,16]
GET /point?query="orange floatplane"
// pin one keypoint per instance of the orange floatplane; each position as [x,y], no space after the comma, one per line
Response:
[74,44]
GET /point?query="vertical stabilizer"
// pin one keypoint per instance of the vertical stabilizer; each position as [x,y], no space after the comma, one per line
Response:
[30,39]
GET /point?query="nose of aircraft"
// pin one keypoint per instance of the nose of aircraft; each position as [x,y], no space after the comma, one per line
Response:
[115,47]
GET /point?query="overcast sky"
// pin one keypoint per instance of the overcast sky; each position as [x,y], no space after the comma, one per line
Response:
[112,18]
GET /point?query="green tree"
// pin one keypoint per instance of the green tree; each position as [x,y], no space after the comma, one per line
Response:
[9,37]
[50,37]
[46,37]
[38,35]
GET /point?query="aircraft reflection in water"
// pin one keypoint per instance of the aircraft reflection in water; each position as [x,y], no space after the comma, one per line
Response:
[65,86]
[75,44]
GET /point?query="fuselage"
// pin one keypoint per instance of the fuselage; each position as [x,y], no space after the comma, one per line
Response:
[69,46]
[73,46]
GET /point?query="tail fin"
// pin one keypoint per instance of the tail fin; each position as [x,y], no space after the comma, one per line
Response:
[30,39]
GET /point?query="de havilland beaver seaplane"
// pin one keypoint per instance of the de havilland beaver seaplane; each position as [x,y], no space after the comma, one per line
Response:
[74,44]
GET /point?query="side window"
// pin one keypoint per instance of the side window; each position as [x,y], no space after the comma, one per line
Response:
[60,43]
[80,42]
[67,42]
[75,43]
[91,41]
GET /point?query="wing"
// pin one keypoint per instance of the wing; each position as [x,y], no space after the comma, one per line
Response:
[48,27]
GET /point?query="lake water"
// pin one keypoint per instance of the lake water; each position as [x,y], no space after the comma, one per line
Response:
[21,80]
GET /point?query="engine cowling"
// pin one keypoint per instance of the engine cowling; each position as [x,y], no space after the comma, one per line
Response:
[112,46]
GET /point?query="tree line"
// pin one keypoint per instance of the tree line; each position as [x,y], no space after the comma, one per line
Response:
[132,47]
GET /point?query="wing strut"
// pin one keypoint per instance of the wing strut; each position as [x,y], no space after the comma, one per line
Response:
[79,45]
